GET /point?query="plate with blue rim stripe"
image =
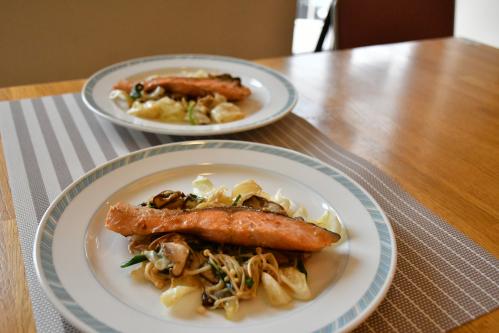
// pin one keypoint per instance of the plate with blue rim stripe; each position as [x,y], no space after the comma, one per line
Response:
[78,260]
[272,94]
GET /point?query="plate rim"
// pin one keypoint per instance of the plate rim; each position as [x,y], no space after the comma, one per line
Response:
[72,311]
[89,101]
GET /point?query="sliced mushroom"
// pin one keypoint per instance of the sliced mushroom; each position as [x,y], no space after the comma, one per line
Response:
[169,200]
[166,238]
[265,205]
[177,253]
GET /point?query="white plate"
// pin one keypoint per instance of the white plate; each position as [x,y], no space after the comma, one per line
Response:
[77,260]
[273,96]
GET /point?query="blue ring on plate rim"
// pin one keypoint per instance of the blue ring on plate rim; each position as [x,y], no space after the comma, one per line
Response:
[57,208]
[88,98]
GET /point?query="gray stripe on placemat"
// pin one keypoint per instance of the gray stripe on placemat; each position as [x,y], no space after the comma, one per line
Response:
[86,160]
[63,174]
[97,131]
[140,138]
[152,139]
[127,138]
[36,185]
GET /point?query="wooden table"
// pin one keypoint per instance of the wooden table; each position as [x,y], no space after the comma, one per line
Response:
[426,113]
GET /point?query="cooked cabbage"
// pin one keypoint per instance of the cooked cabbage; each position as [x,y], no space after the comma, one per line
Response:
[197,117]
[283,201]
[330,222]
[231,306]
[171,110]
[246,189]
[149,109]
[121,98]
[172,295]
[218,99]
[276,294]
[296,281]
[202,186]
[301,212]
[225,112]
[216,198]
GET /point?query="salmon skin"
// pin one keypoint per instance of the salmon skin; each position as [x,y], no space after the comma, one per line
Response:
[227,225]
[226,85]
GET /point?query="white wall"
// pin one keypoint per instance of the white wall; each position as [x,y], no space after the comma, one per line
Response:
[478,20]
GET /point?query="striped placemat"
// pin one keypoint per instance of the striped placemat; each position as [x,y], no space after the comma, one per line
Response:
[443,279]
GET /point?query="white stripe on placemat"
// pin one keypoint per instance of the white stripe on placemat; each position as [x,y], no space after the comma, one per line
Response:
[421,312]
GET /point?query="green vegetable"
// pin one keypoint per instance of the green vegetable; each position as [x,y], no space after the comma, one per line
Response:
[301,267]
[135,260]
[249,282]
[190,113]
[236,200]
[136,91]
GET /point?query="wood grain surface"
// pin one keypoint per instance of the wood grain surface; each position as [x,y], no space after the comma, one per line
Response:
[426,113]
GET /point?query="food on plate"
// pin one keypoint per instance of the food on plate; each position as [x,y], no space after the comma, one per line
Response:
[224,84]
[222,243]
[196,98]
[225,225]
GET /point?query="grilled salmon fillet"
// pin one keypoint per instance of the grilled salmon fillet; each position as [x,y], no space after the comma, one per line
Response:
[226,85]
[228,225]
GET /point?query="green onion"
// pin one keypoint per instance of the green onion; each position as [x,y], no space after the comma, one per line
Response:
[190,113]
[249,282]
[135,260]
[236,200]
[301,267]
